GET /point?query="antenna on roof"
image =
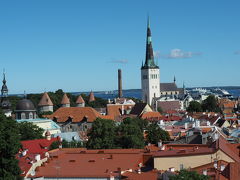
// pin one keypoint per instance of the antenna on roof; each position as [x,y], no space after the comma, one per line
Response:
[24,95]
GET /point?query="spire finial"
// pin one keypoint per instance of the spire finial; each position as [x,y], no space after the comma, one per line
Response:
[174,79]
[148,20]
[4,79]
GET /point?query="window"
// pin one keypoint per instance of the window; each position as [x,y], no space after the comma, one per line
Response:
[23,116]
[30,115]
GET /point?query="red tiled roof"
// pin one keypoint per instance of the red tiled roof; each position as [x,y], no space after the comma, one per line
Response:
[115,110]
[77,114]
[45,100]
[151,115]
[169,105]
[90,163]
[80,100]
[171,118]
[150,175]
[65,99]
[184,150]
[230,172]
[33,147]
[37,145]
[91,97]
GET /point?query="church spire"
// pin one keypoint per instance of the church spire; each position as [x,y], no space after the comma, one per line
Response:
[149,61]
[4,89]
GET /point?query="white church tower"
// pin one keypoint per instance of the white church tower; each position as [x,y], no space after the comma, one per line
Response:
[150,74]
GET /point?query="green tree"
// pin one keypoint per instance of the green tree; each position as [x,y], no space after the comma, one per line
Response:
[41,115]
[210,104]
[98,103]
[155,133]
[29,131]
[102,134]
[14,100]
[194,106]
[189,175]
[131,133]
[9,147]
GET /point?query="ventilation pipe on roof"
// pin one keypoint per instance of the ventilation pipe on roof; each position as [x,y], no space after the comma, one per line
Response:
[160,143]
[24,153]
[222,167]
[205,172]
[139,171]
[38,157]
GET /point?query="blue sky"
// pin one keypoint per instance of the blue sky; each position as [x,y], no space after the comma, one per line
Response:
[78,45]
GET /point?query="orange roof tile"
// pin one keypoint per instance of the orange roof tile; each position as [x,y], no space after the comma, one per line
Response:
[65,99]
[45,100]
[90,163]
[115,110]
[149,115]
[77,114]
[150,175]
[91,97]
[80,100]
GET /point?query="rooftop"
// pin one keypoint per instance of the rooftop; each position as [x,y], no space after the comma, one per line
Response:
[80,162]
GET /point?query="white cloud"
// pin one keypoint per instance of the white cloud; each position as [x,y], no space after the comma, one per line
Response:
[156,54]
[119,61]
[179,54]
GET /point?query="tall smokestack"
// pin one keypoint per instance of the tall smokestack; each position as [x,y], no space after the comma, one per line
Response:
[119,83]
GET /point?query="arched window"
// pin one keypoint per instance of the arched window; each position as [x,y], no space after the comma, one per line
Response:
[30,115]
[23,116]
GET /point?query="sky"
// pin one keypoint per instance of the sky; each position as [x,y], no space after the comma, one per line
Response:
[78,45]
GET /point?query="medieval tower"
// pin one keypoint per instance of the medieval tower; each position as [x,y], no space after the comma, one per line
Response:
[150,74]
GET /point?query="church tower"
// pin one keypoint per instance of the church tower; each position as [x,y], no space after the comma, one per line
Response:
[5,103]
[150,74]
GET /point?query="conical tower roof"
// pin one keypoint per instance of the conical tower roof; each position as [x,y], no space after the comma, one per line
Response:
[91,97]
[80,100]
[65,99]
[45,100]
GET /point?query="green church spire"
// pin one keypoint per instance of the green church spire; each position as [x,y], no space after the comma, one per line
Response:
[149,61]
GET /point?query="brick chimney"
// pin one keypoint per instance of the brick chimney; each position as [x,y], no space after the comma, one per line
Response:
[119,83]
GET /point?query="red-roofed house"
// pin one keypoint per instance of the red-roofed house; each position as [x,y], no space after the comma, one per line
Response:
[191,156]
[79,163]
[33,154]
[76,118]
